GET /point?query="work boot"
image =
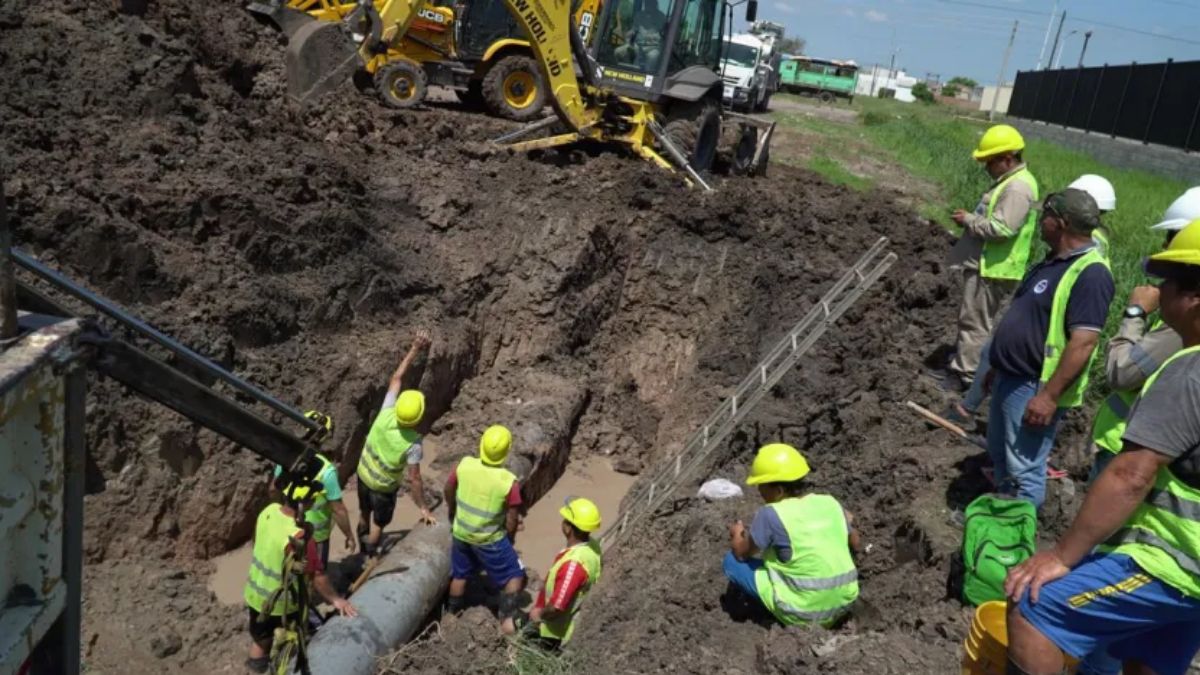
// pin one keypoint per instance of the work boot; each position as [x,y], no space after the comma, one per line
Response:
[455,605]
[259,665]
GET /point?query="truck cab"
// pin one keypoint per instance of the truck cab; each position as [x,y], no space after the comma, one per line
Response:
[742,72]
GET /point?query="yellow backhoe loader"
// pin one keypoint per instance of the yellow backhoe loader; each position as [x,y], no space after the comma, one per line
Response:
[474,47]
[650,83]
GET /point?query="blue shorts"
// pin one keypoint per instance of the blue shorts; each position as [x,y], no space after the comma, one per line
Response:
[1109,602]
[741,573]
[499,559]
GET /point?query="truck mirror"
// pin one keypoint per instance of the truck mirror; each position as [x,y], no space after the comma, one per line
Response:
[751,10]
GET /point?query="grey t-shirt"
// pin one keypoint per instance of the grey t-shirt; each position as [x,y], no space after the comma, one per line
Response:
[415,452]
[1166,419]
[767,530]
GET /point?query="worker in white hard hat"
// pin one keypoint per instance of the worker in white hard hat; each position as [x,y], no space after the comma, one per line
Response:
[1106,198]
[993,251]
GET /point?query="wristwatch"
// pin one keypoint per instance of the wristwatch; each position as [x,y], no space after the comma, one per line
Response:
[1135,312]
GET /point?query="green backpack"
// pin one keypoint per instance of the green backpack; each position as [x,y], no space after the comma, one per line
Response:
[998,534]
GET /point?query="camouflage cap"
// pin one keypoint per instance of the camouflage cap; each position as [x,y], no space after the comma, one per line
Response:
[1076,206]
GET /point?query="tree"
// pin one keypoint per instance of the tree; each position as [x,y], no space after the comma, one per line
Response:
[950,89]
[792,45]
[922,93]
[960,81]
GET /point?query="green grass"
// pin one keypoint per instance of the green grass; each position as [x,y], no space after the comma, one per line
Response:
[837,174]
[531,660]
[934,144]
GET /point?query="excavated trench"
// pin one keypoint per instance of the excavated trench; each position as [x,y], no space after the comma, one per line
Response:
[588,301]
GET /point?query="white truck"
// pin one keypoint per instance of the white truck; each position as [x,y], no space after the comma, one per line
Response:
[745,86]
[770,34]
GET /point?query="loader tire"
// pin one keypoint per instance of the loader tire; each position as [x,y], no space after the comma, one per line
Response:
[696,130]
[401,84]
[513,88]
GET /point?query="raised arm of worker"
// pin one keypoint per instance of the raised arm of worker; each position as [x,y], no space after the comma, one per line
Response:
[1163,427]
[416,486]
[1135,353]
[1012,208]
[420,341]
[1087,310]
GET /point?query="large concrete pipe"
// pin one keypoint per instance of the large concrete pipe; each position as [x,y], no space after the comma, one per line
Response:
[406,586]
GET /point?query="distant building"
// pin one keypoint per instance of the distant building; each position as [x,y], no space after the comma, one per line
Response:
[872,80]
[989,92]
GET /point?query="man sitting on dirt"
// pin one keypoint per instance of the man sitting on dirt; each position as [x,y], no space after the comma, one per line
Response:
[484,500]
[575,570]
[392,443]
[1042,349]
[993,250]
[276,538]
[1138,597]
[796,558]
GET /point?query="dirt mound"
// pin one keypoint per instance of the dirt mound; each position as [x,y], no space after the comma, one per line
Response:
[591,300]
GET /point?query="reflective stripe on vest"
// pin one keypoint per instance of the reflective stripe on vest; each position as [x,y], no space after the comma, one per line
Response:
[1056,333]
[819,582]
[1109,427]
[1008,257]
[1163,535]
[320,514]
[272,532]
[384,454]
[1143,360]
[586,554]
[481,501]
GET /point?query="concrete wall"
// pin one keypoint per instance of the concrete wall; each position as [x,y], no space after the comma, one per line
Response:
[989,92]
[1125,153]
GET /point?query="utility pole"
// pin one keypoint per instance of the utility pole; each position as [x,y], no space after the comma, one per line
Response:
[1058,34]
[1046,38]
[8,289]
[1086,37]
[1003,67]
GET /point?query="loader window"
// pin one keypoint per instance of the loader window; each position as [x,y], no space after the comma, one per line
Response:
[638,34]
[700,36]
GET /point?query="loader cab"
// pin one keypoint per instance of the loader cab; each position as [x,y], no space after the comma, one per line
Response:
[656,49]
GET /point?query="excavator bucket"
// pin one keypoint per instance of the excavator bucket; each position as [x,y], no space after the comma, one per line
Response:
[321,55]
[286,19]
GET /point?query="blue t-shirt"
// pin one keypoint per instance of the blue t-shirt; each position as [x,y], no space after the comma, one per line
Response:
[1019,341]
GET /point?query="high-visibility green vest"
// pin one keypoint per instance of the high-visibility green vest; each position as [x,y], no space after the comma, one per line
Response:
[481,500]
[1007,258]
[820,581]
[1056,335]
[271,535]
[319,514]
[586,554]
[1163,535]
[1109,426]
[383,457]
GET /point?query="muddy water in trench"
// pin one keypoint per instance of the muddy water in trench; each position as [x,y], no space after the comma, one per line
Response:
[538,541]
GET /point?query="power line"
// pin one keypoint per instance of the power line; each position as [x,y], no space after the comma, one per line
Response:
[1008,10]
[1127,29]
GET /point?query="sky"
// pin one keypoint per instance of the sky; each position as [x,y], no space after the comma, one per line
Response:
[968,37]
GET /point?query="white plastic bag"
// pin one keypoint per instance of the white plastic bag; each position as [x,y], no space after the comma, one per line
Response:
[719,488]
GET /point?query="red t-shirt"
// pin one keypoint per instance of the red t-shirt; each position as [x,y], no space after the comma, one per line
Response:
[571,577]
[514,493]
[312,557]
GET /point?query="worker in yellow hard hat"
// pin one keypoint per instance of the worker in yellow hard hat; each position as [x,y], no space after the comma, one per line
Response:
[284,552]
[484,501]
[1124,579]
[327,508]
[994,248]
[393,443]
[795,558]
[575,570]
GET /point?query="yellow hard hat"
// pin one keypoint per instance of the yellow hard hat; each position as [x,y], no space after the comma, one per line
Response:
[494,445]
[998,140]
[777,463]
[410,408]
[1184,249]
[582,513]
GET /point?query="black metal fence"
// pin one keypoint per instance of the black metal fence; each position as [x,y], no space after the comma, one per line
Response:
[1149,102]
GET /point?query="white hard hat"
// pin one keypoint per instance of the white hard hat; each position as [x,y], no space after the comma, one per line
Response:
[1099,188]
[1181,211]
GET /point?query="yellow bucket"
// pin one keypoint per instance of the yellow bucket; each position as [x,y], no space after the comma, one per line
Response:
[986,646]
